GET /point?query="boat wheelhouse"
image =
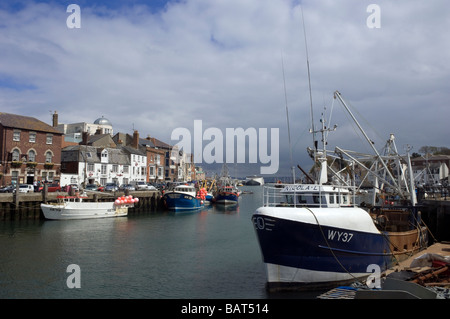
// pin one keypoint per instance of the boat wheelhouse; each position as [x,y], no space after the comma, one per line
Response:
[309,195]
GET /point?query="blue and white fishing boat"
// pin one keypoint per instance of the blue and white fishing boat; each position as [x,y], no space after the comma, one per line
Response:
[314,235]
[183,198]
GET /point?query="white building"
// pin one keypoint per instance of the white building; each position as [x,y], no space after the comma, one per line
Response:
[73,132]
[83,165]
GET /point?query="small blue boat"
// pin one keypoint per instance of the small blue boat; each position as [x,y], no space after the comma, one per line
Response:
[182,198]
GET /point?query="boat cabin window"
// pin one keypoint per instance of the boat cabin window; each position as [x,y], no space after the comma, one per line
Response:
[331,197]
[308,199]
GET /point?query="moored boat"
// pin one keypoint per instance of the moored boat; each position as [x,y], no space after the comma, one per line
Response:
[315,236]
[183,198]
[227,195]
[254,180]
[75,207]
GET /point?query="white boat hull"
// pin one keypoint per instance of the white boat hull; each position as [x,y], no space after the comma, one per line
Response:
[83,210]
[284,276]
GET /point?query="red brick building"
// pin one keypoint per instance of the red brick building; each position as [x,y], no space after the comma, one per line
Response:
[30,150]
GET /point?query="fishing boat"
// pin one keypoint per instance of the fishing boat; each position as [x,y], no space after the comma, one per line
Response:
[227,192]
[75,207]
[227,195]
[183,198]
[315,236]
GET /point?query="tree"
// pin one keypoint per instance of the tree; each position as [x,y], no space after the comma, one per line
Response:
[433,150]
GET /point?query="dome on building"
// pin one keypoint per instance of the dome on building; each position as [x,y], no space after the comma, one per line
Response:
[102,121]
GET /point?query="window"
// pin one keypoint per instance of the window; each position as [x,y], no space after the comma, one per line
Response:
[14,176]
[48,157]
[16,135]
[49,138]
[31,156]
[115,168]
[126,169]
[15,155]
[103,169]
[90,167]
[32,137]
[151,170]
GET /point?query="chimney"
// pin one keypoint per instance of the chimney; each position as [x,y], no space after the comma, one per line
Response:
[55,119]
[85,136]
[135,142]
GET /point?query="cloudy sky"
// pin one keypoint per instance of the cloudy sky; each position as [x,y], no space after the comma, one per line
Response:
[155,66]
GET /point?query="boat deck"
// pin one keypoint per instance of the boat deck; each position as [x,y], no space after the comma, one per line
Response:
[441,288]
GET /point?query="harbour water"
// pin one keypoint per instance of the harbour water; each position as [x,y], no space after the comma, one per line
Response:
[209,254]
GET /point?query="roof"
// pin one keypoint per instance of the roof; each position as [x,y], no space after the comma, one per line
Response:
[26,123]
[102,121]
[91,154]
[132,150]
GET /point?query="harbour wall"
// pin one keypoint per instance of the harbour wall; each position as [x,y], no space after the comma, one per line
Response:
[436,215]
[28,205]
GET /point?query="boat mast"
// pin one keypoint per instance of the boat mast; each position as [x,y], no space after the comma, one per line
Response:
[312,130]
[411,179]
[287,119]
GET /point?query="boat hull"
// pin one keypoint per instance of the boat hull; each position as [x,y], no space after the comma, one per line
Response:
[182,202]
[83,210]
[226,198]
[314,247]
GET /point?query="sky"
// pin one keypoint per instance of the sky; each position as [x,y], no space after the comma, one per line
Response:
[159,67]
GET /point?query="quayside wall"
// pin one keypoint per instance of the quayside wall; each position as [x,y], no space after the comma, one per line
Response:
[28,205]
[436,215]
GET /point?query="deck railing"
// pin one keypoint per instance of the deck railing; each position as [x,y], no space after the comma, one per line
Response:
[273,196]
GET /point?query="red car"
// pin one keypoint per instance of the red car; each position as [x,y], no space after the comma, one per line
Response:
[51,188]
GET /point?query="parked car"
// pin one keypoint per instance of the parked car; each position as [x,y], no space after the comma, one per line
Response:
[124,187]
[140,186]
[8,189]
[111,187]
[74,186]
[26,188]
[91,187]
[51,187]
[150,187]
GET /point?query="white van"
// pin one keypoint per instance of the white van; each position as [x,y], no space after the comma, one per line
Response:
[26,188]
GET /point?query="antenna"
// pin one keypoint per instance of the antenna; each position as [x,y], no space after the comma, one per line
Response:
[287,119]
[309,83]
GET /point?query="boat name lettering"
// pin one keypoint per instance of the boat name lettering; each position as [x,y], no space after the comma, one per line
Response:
[298,188]
[339,236]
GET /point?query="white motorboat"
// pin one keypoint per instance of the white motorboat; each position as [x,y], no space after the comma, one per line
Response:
[75,207]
